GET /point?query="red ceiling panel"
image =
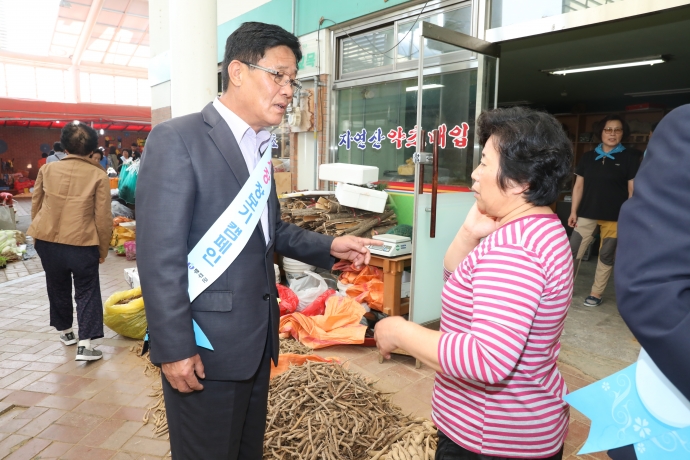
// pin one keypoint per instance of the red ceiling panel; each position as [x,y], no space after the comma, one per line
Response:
[16,123]
[147,128]
[101,125]
[115,127]
[40,124]
[134,127]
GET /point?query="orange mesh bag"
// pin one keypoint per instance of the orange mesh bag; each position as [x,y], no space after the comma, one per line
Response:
[339,325]
[370,292]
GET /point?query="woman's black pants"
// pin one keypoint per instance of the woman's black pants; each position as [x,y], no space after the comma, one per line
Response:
[62,262]
[448,450]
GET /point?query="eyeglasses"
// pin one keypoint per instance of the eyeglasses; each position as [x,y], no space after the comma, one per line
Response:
[613,130]
[279,77]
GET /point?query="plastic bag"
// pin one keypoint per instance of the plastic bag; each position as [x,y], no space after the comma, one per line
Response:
[131,250]
[318,306]
[120,236]
[308,289]
[127,184]
[288,300]
[124,313]
[119,209]
[339,325]
[286,360]
[361,276]
[370,292]
[7,219]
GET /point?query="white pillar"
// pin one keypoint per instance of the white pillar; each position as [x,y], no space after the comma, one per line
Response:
[193,56]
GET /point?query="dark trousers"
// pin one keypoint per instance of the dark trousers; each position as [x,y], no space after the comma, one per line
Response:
[224,421]
[448,450]
[62,262]
[623,453]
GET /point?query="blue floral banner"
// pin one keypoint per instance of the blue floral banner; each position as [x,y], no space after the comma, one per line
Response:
[620,418]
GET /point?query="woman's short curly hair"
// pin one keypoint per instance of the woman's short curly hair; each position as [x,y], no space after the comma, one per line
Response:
[533,149]
[79,139]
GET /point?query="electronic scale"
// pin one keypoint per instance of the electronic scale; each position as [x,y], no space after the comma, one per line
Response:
[393,245]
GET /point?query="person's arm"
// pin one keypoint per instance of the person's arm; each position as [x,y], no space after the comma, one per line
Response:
[576,199]
[103,214]
[165,195]
[502,316]
[652,270]
[631,187]
[38,194]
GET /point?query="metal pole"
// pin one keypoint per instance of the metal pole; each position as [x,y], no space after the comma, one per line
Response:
[293,15]
[316,131]
[417,169]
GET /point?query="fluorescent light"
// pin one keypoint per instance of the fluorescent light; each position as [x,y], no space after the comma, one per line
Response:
[430,86]
[658,93]
[649,60]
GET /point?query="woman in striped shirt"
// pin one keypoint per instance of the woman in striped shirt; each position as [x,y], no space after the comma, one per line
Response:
[509,281]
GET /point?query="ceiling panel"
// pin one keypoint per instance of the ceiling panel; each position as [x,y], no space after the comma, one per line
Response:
[128,36]
[76,11]
[103,31]
[139,62]
[98,45]
[139,7]
[135,22]
[109,18]
[61,51]
[92,56]
[119,5]
[69,26]
[122,48]
[61,39]
[143,51]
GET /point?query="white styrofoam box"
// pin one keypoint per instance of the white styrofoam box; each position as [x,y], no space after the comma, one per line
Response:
[132,277]
[350,174]
[360,197]
[405,285]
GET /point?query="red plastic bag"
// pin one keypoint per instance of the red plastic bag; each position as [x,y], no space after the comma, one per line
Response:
[288,300]
[318,306]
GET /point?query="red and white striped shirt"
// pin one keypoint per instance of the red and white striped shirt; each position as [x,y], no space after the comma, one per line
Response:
[500,392]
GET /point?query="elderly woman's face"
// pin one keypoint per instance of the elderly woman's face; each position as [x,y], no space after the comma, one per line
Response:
[491,199]
[612,134]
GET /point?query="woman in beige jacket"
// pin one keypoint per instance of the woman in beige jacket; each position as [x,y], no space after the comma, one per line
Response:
[72,225]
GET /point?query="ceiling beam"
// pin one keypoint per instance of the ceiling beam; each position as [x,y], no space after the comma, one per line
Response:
[117,29]
[54,62]
[86,31]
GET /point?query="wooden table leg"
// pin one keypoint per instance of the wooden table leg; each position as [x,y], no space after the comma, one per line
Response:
[392,281]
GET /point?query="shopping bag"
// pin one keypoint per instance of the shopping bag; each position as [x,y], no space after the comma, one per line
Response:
[124,313]
[7,220]
[308,288]
[127,184]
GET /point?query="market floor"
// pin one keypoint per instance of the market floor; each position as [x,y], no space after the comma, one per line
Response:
[53,407]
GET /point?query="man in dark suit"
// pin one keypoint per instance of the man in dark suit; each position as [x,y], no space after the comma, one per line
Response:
[653,261]
[193,168]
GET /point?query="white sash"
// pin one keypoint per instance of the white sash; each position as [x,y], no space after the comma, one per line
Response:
[226,238]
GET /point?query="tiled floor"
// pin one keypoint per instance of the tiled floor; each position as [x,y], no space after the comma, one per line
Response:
[53,407]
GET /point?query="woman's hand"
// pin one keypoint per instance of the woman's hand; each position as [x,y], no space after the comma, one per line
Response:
[572,220]
[385,334]
[478,225]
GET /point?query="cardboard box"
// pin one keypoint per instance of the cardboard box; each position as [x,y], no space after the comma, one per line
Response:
[283,182]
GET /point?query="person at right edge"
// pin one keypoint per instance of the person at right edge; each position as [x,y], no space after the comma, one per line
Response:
[604,180]
[192,169]
[653,270]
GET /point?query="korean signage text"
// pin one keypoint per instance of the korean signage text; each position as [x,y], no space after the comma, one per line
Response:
[400,138]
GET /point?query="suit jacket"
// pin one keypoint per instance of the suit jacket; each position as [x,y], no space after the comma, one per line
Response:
[652,269]
[190,172]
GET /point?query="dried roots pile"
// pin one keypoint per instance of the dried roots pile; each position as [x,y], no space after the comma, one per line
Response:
[322,411]
[155,412]
[293,346]
[329,217]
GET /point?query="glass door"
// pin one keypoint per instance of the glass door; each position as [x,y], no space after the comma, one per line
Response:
[445,120]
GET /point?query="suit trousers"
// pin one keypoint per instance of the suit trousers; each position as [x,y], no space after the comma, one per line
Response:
[62,262]
[224,421]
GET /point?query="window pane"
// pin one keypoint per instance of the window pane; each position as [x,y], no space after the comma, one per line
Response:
[69,86]
[85,87]
[459,20]
[50,85]
[365,51]
[126,91]
[21,81]
[144,92]
[102,89]
[449,100]
[507,12]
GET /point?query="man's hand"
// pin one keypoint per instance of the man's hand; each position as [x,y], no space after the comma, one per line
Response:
[182,375]
[100,261]
[572,220]
[354,249]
